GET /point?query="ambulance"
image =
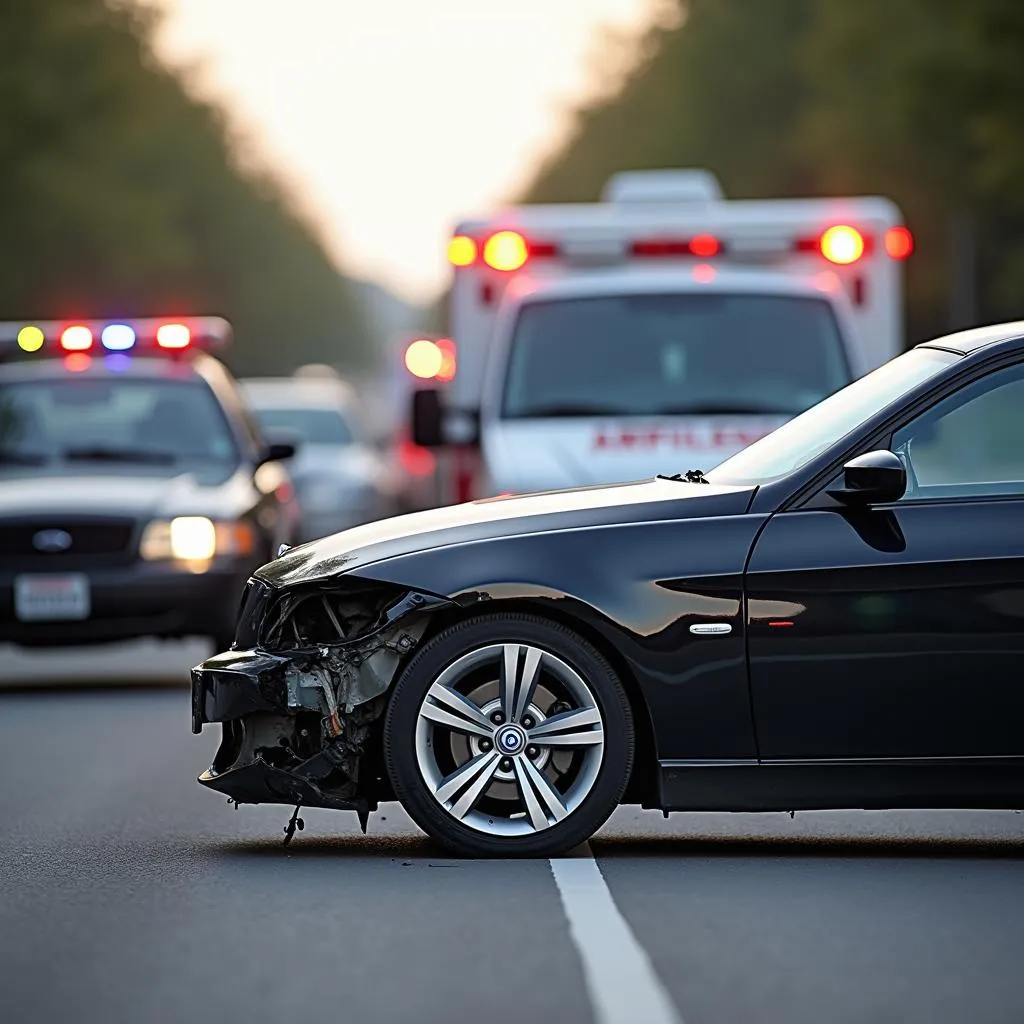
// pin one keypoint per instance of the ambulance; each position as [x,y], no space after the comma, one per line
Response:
[659,330]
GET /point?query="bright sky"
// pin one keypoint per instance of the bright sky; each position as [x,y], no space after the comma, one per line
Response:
[392,119]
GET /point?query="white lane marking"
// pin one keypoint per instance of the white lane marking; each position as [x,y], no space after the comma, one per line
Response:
[623,986]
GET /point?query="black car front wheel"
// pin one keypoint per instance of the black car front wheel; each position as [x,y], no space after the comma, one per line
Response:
[509,736]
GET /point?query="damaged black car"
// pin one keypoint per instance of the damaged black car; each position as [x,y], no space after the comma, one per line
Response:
[830,619]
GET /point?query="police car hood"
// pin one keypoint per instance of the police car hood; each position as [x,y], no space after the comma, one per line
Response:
[135,492]
[493,519]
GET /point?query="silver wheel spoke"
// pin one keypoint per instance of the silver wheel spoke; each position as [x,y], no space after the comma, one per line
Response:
[442,716]
[538,819]
[484,768]
[462,775]
[517,688]
[564,730]
[533,784]
[460,705]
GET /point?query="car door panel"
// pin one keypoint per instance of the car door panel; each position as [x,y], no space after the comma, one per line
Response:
[889,633]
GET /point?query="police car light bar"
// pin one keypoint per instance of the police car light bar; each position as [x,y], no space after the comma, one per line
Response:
[148,335]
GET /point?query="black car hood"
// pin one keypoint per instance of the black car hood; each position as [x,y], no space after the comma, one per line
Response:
[135,492]
[495,518]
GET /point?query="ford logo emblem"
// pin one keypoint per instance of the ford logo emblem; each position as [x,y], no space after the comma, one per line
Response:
[52,540]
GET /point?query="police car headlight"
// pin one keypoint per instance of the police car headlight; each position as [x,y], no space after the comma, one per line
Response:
[195,539]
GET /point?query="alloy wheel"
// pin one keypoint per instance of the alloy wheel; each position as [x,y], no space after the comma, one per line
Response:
[509,739]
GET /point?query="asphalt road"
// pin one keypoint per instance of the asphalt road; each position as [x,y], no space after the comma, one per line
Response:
[129,894]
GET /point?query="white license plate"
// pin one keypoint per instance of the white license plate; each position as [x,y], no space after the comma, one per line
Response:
[51,598]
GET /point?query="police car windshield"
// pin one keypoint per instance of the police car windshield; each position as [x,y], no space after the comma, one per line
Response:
[673,354]
[128,421]
[313,426]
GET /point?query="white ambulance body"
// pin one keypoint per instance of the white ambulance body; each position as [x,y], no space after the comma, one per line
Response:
[662,329]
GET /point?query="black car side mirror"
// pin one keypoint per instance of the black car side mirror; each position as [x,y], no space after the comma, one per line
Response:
[279,447]
[434,425]
[279,451]
[427,418]
[871,478]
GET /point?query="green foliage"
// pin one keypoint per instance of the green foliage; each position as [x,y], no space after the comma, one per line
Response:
[120,196]
[918,100]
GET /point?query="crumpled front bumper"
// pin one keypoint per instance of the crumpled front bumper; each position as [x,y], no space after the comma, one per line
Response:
[297,725]
[227,689]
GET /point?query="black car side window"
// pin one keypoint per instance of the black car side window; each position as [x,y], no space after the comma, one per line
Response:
[970,444]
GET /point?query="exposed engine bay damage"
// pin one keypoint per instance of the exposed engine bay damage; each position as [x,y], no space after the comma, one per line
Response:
[299,708]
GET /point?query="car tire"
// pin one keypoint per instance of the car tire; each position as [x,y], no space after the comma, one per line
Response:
[476,755]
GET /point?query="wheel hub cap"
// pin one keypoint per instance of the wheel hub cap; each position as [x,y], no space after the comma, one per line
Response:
[510,739]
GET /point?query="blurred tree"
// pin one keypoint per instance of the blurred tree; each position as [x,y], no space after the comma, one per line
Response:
[121,194]
[918,100]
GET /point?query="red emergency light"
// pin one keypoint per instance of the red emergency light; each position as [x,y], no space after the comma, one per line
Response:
[174,336]
[448,362]
[76,338]
[703,246]
[899,242]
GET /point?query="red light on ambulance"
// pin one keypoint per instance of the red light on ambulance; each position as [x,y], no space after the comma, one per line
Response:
[899,243]
[77,338]
[461,251]
[506,250]
[842,244]
[704,246]
[173,336]
[447,369]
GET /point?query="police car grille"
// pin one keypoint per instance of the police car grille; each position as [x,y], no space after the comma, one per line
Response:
[89,537]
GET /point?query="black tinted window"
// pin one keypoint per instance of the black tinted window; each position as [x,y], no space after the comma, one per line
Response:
[665,354]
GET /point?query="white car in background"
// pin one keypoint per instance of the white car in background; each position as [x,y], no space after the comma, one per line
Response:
[340,479]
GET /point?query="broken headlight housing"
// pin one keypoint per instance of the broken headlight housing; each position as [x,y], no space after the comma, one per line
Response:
[328,613]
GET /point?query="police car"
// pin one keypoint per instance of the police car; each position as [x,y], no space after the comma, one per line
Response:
[136,492]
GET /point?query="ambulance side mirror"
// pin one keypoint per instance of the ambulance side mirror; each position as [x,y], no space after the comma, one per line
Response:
[427,418]
[434,425]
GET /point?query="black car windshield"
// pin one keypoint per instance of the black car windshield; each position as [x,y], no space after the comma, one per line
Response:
[99,420]
[673,354]
[795,443]
[313,426]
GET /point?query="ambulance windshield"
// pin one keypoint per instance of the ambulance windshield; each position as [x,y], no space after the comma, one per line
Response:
[673,354]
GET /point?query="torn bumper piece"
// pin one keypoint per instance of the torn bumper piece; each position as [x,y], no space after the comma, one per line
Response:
[261,783]
[298,723]
[237,683]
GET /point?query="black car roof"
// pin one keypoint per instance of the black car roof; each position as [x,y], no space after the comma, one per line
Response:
[978,338]
[194,367]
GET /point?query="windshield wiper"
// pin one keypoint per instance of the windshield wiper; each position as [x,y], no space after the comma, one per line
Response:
[726,409]
[13,457]
[101,454]
[691,476]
